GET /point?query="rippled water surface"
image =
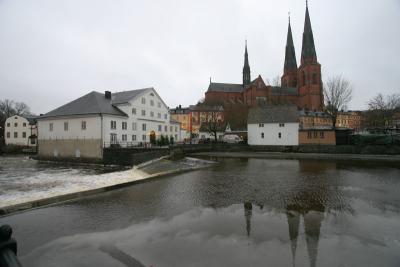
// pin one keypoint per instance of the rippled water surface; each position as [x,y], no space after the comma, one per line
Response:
[240,212]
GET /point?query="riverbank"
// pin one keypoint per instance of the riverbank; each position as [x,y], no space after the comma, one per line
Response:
[94,184]
[290,155]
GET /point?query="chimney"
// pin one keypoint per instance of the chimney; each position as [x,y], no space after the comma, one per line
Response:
[180,107]
[107,94]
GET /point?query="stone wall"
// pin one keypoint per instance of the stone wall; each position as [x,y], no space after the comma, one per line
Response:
[70,149]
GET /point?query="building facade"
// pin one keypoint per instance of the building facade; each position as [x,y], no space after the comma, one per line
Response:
[83,127]
[300,85]
[21,131]
[273,125]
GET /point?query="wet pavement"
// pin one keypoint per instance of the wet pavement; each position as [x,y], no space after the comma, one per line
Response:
[240,212]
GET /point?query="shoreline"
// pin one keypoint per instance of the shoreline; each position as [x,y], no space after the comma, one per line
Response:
[291,155]
[54,200]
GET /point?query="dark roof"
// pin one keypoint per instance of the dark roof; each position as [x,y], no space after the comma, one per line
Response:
[277,90]
[30,118]
[91,103]
[200,107]
[126,96]
[290,54]
[273,114]
[310,113]
[308,53]
[225,87]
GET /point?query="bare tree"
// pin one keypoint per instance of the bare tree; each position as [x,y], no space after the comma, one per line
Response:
[276,81]
[381,110]
[338,93]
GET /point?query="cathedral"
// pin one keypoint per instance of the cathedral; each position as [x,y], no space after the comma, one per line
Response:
[300,85]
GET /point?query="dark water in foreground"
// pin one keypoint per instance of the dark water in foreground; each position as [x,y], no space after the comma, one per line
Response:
[242,212]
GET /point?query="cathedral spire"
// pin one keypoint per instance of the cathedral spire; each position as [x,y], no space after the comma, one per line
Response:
[290,54]
[246,67]
[308,54]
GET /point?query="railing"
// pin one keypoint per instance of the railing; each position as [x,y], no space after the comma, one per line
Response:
[8,248]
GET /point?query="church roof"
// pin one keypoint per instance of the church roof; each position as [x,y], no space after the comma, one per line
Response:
[225,87]
[278,90]
[308,53]
[290,54]
[273,114]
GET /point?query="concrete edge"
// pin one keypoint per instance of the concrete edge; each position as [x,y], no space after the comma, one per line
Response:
[286,155]
[46,202]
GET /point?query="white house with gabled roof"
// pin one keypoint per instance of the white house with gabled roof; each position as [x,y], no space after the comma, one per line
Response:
[83,127]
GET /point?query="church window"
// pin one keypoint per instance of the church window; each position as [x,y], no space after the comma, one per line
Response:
[314,78]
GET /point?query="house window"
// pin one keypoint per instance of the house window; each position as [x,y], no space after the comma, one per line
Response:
[24,135]
[166,128]
[144,137]
[8,135]
[33,141]
[165,116]
[133,111]
[134,126]
[143,100]
[321,135]
[124,125]
[65,126]
[171,128]
[124,137]
[151,114]
[134,137]
[159,115]
[262,135]
[279,135]
[176,137]
[144,126]
[261,125]
[16,124]
[113,125]
[176,128]
[50,126]
[15,135]
[315,134]
[152,102]
[143,112]
[159,128]
[159,104]
[83,125]
[24,124]
[309,135]
[281,125]
[8,124]
[113,138]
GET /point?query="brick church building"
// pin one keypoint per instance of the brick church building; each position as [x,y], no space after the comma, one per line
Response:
[300,85]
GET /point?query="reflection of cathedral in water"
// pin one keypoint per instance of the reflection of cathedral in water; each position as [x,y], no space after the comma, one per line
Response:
[312,218]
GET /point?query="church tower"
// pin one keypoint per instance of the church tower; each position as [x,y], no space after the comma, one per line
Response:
[289,78]
[246,68]
[309,73]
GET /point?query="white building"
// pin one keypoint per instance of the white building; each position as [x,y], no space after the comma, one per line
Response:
[20,131]
[273,125]
[83,127]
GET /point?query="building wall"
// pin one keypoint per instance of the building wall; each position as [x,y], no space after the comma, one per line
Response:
[289,134]
[70,148]
[19,126]
[317,137]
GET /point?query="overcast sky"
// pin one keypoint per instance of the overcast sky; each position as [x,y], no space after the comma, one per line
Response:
[53,51]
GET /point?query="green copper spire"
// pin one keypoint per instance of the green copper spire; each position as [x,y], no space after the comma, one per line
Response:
[308,54]
[246,67]
[290,54]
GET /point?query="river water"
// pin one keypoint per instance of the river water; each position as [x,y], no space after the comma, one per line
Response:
[240,212]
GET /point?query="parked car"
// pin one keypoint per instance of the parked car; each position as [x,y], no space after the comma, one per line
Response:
[231,138]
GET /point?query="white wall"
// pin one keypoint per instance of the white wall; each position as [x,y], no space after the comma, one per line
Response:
[289,134]
[21,128]
[208,135]
[93,128]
